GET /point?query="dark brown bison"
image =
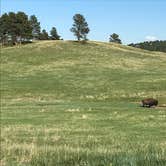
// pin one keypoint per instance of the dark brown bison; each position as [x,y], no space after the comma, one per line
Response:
[149,102]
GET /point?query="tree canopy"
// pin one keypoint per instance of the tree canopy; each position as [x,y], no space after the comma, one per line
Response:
[44,35]
[15,27]
[54,34]
[157,45]
[80,27]
[115,38]
[18,27]
[35,27]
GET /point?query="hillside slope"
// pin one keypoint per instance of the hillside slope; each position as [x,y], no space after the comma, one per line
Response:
[77,72]
[64,103]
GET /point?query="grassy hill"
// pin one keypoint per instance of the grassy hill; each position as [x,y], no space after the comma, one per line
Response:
[66,103]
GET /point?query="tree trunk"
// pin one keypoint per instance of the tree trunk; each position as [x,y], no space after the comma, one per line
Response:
[78,38]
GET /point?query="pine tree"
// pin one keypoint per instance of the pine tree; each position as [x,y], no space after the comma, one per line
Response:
[35,27]
[23,29]
[15,27]
[115,38]
[54,34]
[44,35]
[80,27]
[4,28]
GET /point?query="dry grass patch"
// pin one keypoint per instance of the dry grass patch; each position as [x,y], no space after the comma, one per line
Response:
[73,110]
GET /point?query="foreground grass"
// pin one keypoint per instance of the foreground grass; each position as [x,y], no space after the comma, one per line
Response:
[63,103]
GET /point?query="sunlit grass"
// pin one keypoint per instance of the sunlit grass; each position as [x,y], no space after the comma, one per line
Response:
[64,103]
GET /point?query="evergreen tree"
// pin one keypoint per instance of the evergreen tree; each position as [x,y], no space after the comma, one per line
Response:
[54,34]
[44,35]
[12,24]
[23,27]
[4,28]
[115,38]
[15,27]
[35,27]
[158,45]
[80,27]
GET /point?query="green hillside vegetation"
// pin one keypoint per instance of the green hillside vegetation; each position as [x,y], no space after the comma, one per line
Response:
[151,45]
[65,104]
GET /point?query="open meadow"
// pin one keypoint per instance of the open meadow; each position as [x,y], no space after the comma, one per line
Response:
[69,104]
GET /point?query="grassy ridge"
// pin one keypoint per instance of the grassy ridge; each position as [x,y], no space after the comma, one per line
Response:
[63,103]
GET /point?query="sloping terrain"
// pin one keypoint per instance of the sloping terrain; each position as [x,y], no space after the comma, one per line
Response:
[78,104]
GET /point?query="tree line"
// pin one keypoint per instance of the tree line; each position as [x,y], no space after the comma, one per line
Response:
[157,45]
[20,28]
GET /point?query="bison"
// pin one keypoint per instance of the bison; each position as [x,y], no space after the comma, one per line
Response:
[149,102]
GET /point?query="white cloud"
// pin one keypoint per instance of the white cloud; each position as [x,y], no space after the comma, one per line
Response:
[150,38]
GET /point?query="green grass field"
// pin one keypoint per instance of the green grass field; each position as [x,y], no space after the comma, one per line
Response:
[69,104]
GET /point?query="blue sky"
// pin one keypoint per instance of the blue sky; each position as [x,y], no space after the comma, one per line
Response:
[133,20]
